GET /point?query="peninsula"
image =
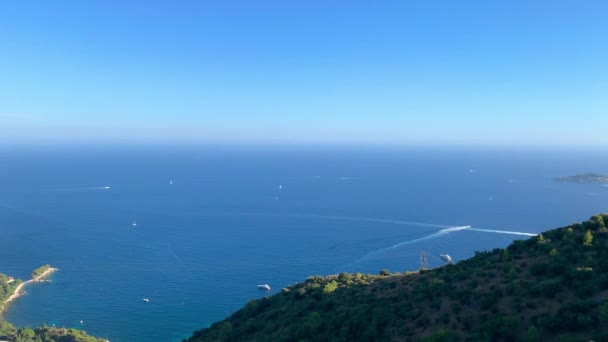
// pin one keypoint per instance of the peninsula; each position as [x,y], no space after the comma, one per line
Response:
[11,289]
[592,178]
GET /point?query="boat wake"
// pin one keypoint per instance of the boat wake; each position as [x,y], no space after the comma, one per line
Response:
[438,234]
[170,251]
[348,218]
[89,188]
[502,232]
[432,236]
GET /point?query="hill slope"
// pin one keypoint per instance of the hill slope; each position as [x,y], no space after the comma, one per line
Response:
[550,287]
[44,334]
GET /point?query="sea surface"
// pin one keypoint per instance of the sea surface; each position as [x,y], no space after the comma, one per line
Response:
[214,222]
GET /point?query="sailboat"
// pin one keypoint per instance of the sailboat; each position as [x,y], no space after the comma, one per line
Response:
[134,224]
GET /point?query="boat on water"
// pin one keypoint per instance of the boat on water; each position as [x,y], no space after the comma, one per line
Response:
[134,224]
[446,257]
[146,300]
[264,287]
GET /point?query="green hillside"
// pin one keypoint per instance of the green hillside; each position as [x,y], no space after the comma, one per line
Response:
[44,334]
[553,287]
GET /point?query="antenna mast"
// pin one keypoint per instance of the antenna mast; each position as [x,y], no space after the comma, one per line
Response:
[424,261]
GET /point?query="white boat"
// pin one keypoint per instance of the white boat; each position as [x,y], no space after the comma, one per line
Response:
[134,224]
[146,300]
[264,287]
[171,182]
[446,257]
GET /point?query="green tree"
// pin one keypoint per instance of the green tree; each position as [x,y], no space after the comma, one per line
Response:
[385,272]
[312,322]
[588,238]
[26,335]
[226,331]
[599,220]
[443,336]
[604,313]
[7,329]
[330,287]
[505,255]
[532,335]
[541,239]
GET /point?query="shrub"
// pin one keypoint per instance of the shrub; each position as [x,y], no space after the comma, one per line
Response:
[330,287]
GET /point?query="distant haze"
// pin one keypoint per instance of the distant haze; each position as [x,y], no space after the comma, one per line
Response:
[389,72]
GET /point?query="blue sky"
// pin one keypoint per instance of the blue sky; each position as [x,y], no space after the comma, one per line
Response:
[382,72]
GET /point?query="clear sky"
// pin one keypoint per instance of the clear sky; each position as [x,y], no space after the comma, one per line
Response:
[406,72]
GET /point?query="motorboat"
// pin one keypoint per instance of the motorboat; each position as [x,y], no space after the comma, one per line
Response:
[446,257]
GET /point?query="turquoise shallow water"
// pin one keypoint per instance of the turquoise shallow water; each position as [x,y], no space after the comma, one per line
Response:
[234,218]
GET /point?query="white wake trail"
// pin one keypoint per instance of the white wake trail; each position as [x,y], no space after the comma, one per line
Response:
[350,218]
[89,188]
[437,234]
[502,232]
[170,251]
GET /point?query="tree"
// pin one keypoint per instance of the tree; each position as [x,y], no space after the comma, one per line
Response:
[343,277]
[7,329]
[26,335]
[226,331]
[385,272]
[588,238]
[541,239]
[330,287]
[443,336]
[599,220]
[532,335]
[604,313]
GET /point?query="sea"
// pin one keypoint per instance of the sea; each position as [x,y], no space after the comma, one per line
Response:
[195,229]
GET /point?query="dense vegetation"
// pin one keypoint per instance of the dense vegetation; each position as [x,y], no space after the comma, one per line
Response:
[40,270]
[44,334]
[6,289]
[551,287]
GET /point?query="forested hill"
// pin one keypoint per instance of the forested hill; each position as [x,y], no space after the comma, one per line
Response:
[548,288]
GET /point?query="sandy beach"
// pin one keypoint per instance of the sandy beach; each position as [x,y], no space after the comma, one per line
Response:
[19,290]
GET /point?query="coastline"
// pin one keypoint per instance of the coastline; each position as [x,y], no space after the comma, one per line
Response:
[19,290]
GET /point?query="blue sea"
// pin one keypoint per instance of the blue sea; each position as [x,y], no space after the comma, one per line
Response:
[214,222]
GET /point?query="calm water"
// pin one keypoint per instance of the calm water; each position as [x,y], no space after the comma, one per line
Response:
[234,218]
